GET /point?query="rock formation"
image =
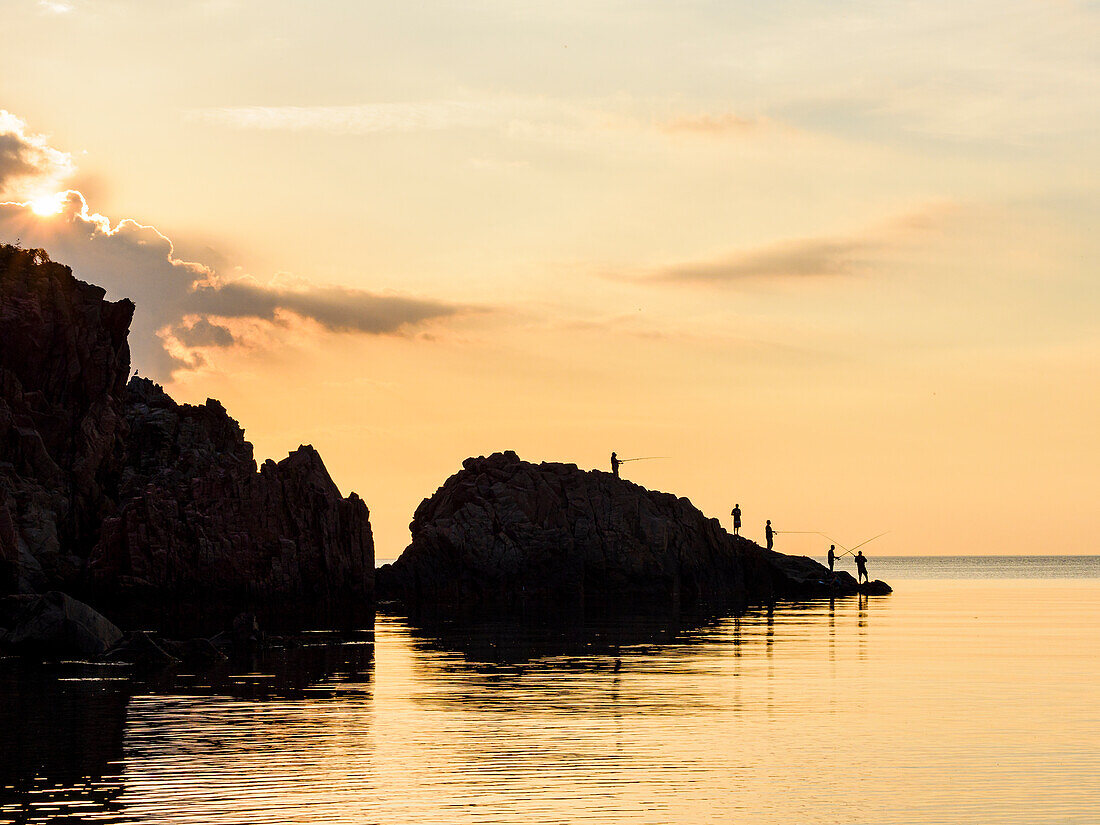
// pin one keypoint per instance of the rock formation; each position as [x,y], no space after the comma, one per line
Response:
[197,520]
[505,532]
[118,493]
[63,366]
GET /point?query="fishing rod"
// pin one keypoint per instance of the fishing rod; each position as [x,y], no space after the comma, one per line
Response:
[813,533]
[880,535]
[643,458]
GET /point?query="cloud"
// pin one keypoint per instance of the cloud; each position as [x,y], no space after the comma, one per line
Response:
[370,118]
[337,309]
[203,333]
[812,257]
[809,257]
[712,125]
[179,302]
[29,166]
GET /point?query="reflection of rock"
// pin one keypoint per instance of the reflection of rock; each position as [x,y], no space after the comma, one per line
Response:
[506,532]
[61,742]
[124,497]
[55,626]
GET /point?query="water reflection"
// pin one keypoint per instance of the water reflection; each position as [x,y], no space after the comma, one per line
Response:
[61,742]
[952,693]
[70,732]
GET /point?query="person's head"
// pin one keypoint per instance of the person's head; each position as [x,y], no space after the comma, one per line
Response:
[737,507]
[832,547]
[769,521]
[612,454]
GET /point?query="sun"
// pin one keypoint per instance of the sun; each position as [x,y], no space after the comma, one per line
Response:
[48,204]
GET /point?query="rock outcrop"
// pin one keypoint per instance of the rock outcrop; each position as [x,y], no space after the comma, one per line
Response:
[118,494]
[199,521]
[63,366]
[506,532]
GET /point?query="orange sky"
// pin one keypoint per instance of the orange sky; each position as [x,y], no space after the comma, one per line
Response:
[837,261]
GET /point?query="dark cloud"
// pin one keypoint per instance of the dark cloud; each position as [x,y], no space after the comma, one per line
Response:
[335,308]
[28,164]
[798,258]
[203,333]
[134,261]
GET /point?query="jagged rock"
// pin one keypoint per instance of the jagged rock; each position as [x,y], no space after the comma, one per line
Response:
[197,517]
[119,494]
[63,365]
[55,626]
[504,531]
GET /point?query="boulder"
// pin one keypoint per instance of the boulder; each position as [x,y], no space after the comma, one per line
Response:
[55,626]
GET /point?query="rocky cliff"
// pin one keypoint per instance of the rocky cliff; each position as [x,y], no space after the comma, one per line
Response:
[120,494]
[197,519]
[63,366]
[504,531]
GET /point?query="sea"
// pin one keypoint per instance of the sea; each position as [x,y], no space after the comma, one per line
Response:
[969,695]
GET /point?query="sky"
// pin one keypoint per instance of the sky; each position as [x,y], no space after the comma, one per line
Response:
[836,261]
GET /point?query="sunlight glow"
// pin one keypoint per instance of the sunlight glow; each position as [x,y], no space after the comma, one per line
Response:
[48,204]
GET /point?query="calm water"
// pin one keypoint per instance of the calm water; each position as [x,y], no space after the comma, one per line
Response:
[968,696]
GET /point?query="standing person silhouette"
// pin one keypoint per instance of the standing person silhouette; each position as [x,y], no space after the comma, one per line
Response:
[615,462]
[861,567]
[736,513]
[768,533]
[832,556]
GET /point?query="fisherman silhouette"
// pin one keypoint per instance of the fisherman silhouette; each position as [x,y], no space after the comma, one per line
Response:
[615,462]
[736,513]
[861,567]
[768,533]
[832,556]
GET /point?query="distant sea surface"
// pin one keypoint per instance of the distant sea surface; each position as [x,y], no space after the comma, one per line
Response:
[968,696]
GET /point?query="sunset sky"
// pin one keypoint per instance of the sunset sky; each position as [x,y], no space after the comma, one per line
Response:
[837,261]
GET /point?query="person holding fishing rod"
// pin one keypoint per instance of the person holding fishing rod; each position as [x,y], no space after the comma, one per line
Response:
[616,461]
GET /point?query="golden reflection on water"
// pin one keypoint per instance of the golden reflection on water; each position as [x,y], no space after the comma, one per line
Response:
[947,702]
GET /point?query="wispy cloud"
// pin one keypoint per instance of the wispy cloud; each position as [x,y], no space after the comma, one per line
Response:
[807,257]
[515,116]
[712,124]
[370,118]
[801,258]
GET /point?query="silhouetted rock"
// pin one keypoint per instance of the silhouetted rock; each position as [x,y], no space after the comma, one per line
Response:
[135,502]
[876,588]
[506,532]
[63,366]
[55,626]
[198,520]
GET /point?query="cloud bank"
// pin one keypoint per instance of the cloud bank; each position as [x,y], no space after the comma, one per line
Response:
[183,307]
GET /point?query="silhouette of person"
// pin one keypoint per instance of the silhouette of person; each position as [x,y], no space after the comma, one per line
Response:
[861,567]
[768,533]
[736,513]
[832,556]
[615,462]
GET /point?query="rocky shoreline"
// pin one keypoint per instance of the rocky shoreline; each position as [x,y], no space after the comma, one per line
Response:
[156,514]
